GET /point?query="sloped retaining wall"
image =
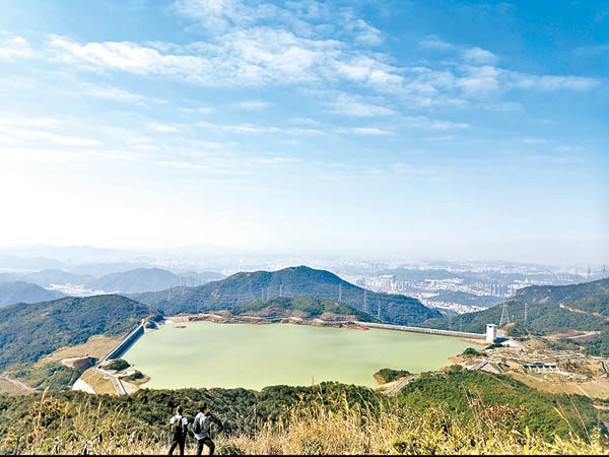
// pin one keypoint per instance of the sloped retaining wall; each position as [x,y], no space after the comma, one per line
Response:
[125,343]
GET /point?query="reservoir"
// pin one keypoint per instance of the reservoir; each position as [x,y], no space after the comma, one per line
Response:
[207,354]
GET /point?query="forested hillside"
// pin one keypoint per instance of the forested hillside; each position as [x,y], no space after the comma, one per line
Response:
[29,331]
[550,309]
[303,307]
[243,288]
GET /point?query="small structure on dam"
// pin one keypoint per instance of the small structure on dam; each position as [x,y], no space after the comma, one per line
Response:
[491,333]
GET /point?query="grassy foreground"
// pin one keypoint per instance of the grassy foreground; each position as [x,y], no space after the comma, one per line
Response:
[332,425]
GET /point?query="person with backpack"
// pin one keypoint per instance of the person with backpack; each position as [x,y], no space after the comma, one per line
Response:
[201,426]
[177,425]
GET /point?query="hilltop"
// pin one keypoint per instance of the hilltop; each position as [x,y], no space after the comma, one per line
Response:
[23,292]
[245,287]
[137,280]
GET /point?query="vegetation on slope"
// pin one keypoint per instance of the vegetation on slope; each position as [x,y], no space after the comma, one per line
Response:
[325,419]
[550,309]
[29,331]
[385,375]
[53,375]
[304,307]
[543,413]
[243,288]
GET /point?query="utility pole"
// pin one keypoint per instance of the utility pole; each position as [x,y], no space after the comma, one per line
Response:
[505,317]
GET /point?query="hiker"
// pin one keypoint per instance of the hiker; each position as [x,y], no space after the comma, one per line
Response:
[201,425]
[178,431]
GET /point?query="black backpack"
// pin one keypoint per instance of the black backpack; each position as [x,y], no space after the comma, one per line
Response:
[177,427]
[197,426]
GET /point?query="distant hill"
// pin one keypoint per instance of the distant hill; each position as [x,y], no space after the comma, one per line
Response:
[303,307]
[23,292]
[550,309]
[29,331]
[46,278]
[242,288]
[466,299]
[138,280]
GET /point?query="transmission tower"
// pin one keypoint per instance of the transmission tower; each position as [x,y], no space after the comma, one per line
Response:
[340,292]
[604,271]
[589,272]
[505,317]
[526,313]
[281,290]
[378,309]
[366,301]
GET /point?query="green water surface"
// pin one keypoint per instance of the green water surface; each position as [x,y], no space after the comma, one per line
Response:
[206,354]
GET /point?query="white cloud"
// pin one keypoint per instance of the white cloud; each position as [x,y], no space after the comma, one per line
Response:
[257,56]
[367,131]
[132,58]
[479,56]
[116,94]
[364,33]
[550,82]
[252,105]
[424,122]
[15,48]
[348,105]
[436,43]
[479,81]
[162,128]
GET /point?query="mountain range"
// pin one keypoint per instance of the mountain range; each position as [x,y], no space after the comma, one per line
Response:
[242,288]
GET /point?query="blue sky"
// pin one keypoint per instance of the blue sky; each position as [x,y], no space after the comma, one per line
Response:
[412,129]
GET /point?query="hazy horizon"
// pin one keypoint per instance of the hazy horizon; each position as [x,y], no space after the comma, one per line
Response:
[364,128]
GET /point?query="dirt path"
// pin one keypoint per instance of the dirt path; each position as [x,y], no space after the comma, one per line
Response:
[581,311]
[19,384]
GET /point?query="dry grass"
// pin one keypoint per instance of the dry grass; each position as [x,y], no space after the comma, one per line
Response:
[96,346]
[335,427]
[11,388]
[353,430]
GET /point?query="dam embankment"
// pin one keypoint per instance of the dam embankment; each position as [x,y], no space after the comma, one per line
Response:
[431,331]
[125,343]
